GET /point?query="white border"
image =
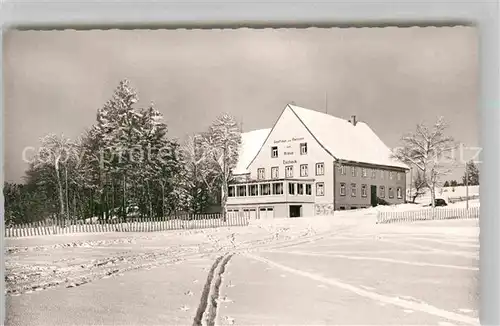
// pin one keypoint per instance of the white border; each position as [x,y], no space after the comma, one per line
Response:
[91,14]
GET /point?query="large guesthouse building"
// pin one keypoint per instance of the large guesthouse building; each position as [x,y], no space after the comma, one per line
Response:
[311,163]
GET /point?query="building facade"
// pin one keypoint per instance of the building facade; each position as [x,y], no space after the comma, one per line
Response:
[311,163]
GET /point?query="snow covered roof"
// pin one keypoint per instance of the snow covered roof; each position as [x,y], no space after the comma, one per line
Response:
[251,142]
[338,136]
[344,140]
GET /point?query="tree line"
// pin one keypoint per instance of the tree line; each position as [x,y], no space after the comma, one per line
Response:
[126,165]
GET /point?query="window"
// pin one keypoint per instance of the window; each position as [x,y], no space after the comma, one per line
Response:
[303,148]
[400,193]
[363,191]
[303,170]
[391,192]
[382,174]
[353,189]
[231,191]
[374,174]
[308,189]
[342,169]
[342,189]
[291,188]
[300,188]
[275,172]
[274,151]
[265,189]
[253,190]
[399,176]
[320,189]
[391,175]
[278,188]
[353,171]
[363,172]
[320,168]
[242,191]
[261,174]
[382,192]
[289,171]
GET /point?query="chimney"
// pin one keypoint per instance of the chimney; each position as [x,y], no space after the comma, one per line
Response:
[353,120]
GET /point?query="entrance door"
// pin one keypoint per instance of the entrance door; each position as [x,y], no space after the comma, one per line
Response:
[253,213]
[373,197]
[295,210]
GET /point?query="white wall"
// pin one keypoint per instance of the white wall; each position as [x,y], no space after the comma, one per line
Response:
[288,134]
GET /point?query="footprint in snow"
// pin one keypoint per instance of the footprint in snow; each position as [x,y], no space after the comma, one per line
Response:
[230,285]
[190,293]
[229,320]
[184,308]
[225,299]
[195,281]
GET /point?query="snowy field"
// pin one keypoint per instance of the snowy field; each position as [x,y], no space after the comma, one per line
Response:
[295,271]
[448,192]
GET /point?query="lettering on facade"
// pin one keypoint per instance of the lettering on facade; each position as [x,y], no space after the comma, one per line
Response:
[289,162]
[288,153]
[288,140]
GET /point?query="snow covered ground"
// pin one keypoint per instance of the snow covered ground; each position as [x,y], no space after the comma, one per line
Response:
[309,271]
[449,192]
[389,276]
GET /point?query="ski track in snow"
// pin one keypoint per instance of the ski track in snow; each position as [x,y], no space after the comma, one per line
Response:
[409,306]
[26,276]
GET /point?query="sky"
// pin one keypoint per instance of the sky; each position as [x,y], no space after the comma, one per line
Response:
[391,78]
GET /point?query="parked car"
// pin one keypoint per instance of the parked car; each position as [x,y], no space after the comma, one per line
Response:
[438,202]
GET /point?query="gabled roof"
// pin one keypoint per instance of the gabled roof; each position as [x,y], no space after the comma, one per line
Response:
[251,142]
[344,140]
[339,137]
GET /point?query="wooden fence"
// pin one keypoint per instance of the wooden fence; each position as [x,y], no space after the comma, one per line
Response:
[52,227]
[428,214]
[457,199]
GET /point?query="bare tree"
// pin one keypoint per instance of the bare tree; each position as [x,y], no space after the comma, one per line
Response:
[418,186]
[221,148]
[56,153]
[431,151]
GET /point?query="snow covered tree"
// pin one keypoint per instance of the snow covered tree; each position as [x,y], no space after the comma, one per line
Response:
[57,153]
[201,179]
[117,132]
[220,147]
[124,160]
[430,151]
[472,173]
[453,183]
[446,184]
